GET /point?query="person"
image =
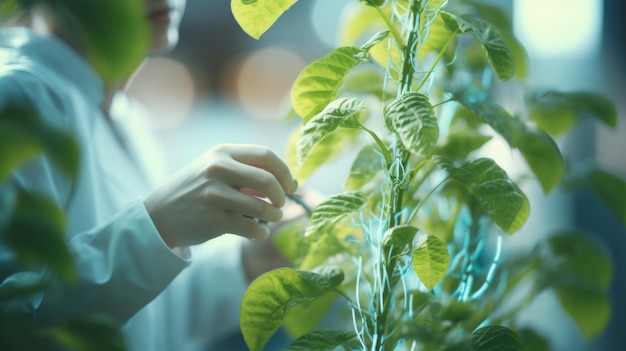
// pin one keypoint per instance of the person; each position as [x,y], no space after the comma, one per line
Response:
[134,238]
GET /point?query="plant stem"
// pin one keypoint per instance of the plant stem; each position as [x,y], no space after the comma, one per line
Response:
[434,65]
[392,27]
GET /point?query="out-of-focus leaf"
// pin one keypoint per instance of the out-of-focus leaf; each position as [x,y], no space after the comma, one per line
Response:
[367,163]
[36,234]
[496,338]
[115,33]
[318,83]
[458,145]
[532,340]
[90,333]
[271,295]
[588,306]
[609,188]
[256,17]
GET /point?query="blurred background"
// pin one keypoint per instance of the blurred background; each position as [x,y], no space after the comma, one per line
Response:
[219,85]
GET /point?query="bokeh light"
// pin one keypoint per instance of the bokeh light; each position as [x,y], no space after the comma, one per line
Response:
[165,87]
[261,80]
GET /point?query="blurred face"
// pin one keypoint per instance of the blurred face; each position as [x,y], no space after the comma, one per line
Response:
[164,18]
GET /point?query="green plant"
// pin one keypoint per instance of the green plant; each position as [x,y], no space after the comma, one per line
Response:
[414,245]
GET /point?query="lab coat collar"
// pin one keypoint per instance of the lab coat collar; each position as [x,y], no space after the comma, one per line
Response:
[27,47]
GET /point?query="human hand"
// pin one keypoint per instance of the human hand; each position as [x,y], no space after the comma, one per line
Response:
[229,189]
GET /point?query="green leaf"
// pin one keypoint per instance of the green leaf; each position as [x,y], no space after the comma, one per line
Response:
[412,117]
[538,149]
[556,112]
[36,234]
[367,163]
[318,83]
[609,188]
[326,340]
[589,307]
[430,260]
[397,238]
[502,200]
[458,145]
[457,312]
[496,338]
[532,341]
[366,80]
[101,24]
[325,123]
[438,36]
[24,134]
[306,317]
[256,17]
[375,39]
[573,256]
[270,296]
[326,150]
[543,157]
[90,333]
[498,54]
[335,208]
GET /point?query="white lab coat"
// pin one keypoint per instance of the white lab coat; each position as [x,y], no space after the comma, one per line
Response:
[164,300]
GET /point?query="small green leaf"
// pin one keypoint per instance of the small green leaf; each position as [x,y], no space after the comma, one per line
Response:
[270,296]
[588,306]
[430,260]
[502,200]
[609,188]
[498,54]
[375,39]
[367,163]
[412,117]
[326,340]
[335,208]
[457,312]
[318,83]
[256,17]
[325,123]
[496,338]
[398,237]
[36,234]
[458,145]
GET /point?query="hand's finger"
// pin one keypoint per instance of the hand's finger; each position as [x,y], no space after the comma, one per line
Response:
[235,201]
[245,227]
[265,158]
[262,182]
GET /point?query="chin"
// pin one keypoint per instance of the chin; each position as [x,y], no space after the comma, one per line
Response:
[165,43]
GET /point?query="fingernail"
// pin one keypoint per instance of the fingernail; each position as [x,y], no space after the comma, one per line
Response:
[294,185]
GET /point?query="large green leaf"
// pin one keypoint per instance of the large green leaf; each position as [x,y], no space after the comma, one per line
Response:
[412,117]
[532,341]
[36,233]
[115,33]
[367,163]
[498,54]
[496,338]
[271,295]
[538,149]
[501,199]
[589,307]
[326,340]
[556,112]
[609,188]
[255,17]
[335,208]
[318,83]
[325,123]
[430,260]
